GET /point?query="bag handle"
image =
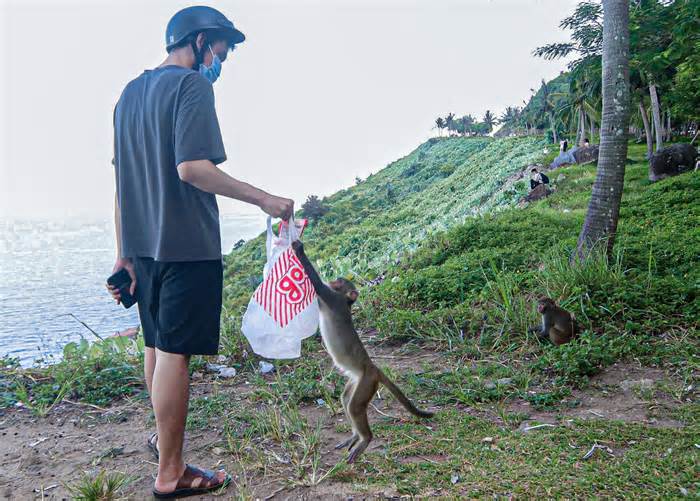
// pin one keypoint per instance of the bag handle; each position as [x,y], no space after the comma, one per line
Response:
[268,240]
[292,234]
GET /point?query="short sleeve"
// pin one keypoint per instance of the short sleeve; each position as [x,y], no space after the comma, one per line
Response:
[197,133]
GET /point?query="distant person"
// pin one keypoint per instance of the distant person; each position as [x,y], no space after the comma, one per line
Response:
[167,144]
[586,143]
[563,145]
[537,178]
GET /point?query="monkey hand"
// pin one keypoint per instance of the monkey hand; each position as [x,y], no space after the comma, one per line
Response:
[298,247]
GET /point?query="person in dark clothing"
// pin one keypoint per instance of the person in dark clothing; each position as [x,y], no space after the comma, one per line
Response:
[563,145]
[167,145]
[537,178]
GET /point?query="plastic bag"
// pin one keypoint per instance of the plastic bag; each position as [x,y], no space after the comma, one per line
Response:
[284,309]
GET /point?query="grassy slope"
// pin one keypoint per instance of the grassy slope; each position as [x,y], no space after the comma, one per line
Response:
[386,216]
[464,296]
[467,292]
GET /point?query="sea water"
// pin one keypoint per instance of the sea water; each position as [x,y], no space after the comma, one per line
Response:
[52,276]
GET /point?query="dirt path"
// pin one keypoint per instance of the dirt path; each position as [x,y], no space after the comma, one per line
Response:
[40,455]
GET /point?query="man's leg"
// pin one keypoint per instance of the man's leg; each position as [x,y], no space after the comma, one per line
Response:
[170,395]
[188,316]
[149,365]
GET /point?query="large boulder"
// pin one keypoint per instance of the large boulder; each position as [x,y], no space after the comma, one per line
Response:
[564,158]
[537,193]
[586,154]
[576,155]
[672,160]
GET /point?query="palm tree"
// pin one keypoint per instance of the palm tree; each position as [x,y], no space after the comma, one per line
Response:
[580,102]
[489,121]
[547,107]
[450,121]
[604,207]
[440,124]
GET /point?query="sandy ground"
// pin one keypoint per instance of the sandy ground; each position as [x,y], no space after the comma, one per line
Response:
[39,455]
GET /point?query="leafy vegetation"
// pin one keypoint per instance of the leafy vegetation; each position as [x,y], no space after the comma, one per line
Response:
[95,373]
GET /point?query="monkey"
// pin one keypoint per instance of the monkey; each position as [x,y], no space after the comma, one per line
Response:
[350,356]
[558,325]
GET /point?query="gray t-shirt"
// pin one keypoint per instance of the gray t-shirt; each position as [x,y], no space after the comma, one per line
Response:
[164,117]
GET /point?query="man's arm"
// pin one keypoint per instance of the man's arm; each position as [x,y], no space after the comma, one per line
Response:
[206,176]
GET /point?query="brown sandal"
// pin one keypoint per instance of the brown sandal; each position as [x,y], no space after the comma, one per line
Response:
[204,480]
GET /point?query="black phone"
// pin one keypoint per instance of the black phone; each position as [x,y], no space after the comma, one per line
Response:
[122,281]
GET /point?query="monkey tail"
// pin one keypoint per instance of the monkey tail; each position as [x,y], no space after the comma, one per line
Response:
[401,397]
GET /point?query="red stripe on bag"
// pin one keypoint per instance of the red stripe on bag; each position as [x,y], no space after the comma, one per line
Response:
[286,291]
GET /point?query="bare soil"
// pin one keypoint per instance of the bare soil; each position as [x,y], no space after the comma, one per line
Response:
[39,456]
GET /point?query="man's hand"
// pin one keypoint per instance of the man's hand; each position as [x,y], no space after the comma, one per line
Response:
[282,208]
[118,265]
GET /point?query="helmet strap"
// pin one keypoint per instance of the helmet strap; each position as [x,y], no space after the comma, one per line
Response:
[198,54]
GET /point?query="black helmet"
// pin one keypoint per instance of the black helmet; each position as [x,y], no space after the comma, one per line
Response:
[192,20]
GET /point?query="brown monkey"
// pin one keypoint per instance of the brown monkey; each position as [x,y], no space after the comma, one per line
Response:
[349,355]
[557,324]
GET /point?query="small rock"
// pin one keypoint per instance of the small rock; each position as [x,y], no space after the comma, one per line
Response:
[221,370]
[560,178]
[504,381]
[221,359]
[395,279]
[454,479]
[266,367]
[218,451]
[489,385]
[227,372]
[488,440]
[196,375]
[321,402]
[642,384]
[684,491]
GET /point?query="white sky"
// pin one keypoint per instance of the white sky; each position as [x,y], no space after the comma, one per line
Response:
[320,92]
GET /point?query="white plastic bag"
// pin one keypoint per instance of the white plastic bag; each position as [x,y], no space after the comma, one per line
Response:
[284,309]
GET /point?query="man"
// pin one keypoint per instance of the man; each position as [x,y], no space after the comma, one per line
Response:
[167,144]
[537,178]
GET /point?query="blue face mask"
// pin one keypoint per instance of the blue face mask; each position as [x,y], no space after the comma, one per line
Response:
[212,72]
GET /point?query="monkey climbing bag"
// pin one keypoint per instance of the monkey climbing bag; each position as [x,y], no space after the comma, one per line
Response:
[284,309]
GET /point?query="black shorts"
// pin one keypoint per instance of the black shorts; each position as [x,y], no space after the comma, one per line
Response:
[180,304]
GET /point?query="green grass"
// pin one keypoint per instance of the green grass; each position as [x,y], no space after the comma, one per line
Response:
[463,268]
[546,462]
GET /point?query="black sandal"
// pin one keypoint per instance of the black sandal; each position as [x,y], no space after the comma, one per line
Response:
[152,444]
[207,483]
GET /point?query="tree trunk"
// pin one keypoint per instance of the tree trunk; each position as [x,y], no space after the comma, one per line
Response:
[603,212]
[656,113]
[590,119]
[668,126]
[554,129]
[578,127]
[647,128]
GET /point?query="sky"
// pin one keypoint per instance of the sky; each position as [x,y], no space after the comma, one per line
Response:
[320,92]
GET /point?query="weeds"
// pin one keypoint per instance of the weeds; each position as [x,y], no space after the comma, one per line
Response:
[101,487]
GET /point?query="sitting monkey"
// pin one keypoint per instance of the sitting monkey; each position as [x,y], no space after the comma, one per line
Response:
[349,355]
[558,325]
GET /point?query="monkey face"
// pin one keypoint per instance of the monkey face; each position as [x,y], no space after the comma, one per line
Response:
[345,287]
[543,304]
